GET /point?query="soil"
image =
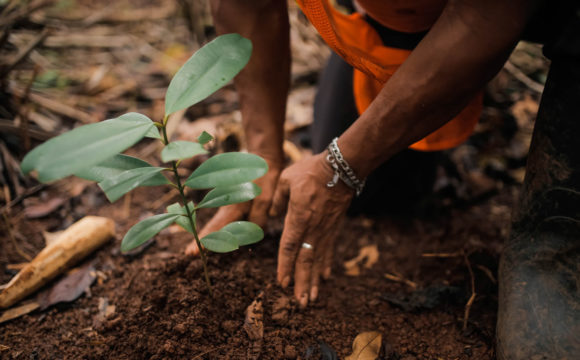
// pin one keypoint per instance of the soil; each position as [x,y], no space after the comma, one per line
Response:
[163,309]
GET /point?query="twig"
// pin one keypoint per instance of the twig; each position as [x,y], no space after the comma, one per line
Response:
[401,280]
[11,236]
[8,126]
[23,196]
[473,294]
[25,52]
[442,255]
[487,272]
[523,78]
[56,106]
[22,13]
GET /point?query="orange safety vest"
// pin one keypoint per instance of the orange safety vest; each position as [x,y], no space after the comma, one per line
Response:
[357,42]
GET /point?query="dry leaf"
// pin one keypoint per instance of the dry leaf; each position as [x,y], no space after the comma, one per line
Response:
[366,346]
[70,287]
[367,257]
[44,208]
[4,347]
[18,311]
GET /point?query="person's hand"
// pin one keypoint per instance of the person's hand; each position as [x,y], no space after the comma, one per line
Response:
[315,213]
[256,210]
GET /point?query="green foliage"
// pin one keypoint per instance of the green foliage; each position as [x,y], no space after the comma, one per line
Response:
[209,69]
[204,138]
[116,165]
[94,152]
[117,186]
[227,169]
[246,232]
[183,220]
[227,195]
[220,242]
[85,146]
[178,150]
[146,229]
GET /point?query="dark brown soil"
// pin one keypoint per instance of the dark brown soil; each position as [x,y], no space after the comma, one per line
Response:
[163,309]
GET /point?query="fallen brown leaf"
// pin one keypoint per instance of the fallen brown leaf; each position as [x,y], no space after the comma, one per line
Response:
[366,346]
[44,208]
[69,288]
[367,257]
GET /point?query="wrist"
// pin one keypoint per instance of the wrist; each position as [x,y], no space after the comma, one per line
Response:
[342,170]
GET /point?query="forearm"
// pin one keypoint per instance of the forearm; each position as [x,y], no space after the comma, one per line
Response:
[264,82]
[464,49]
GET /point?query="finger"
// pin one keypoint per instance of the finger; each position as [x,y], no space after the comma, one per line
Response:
[289,246]
[328,255]
[317,268]
[302,275]
[280,199]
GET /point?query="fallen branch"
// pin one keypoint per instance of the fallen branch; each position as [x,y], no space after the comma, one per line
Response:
[75,243]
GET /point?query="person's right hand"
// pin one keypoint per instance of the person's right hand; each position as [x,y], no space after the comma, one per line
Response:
[256,210]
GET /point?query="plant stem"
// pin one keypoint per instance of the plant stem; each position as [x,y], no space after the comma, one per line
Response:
[181,190]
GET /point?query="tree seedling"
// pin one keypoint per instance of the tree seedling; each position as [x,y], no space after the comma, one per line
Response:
[94,152]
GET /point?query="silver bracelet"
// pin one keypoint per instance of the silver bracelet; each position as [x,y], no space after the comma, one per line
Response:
[342,169]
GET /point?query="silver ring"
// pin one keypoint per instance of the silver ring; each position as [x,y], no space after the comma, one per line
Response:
[306,246]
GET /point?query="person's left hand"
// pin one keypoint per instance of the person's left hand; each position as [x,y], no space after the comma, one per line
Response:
[315,213]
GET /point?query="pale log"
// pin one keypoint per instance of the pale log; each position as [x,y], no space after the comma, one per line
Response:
[75,243]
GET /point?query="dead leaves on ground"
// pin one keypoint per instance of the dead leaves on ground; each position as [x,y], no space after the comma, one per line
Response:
[366,346]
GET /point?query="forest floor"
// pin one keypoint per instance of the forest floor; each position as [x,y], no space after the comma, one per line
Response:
[412,275]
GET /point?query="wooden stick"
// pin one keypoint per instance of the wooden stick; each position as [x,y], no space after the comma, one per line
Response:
[400,279]
[75,243]
[473,294]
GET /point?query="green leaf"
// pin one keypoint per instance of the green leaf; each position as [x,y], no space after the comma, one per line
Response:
[245,232]
[85,146]
[204,138]
[182,220]
[210,68]
[117,164]
[126,181]
[227,195]
[227,169]
[145,230]
[178,150]
[153,133]
[220,242]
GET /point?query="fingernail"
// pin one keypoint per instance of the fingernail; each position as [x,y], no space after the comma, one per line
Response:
[314,293]
[285,282]
[327,272]
[303,300]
